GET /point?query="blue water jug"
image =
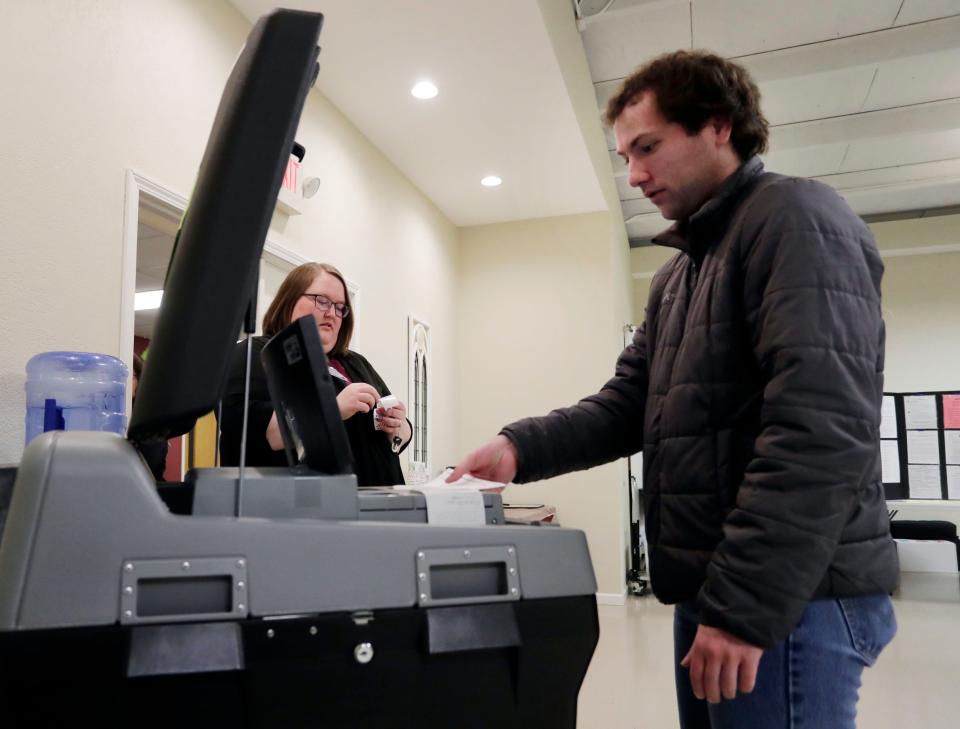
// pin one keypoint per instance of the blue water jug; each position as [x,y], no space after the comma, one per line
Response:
[75,391]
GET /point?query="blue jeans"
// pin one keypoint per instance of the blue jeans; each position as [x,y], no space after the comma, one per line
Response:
[808,681]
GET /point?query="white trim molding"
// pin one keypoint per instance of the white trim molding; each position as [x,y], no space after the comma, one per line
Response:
[277,250]
[135,185]
[612,598]
[282,256]
[920,250]
[141,189]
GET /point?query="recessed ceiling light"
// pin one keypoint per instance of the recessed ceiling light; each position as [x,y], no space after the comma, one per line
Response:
[424,90]
[490,181]
[146,300]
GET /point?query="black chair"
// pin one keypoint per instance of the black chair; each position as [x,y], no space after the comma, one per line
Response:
[945,531]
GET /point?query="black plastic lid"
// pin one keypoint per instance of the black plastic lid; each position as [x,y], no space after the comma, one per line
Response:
[215,260]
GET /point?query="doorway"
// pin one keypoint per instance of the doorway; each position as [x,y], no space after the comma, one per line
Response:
[151,220]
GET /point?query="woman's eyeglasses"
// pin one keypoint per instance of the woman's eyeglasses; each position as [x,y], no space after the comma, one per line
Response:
[324,304]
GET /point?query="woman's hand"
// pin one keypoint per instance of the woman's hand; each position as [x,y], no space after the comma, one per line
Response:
[394,423]
[358,397]
[274,438]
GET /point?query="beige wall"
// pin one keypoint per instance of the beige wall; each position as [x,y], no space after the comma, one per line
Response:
[644,262]
[921,303]
[94,88]
[921,307]
[539,329]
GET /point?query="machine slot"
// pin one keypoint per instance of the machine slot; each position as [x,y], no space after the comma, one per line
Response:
[467,575]
[468,580]
[184,596]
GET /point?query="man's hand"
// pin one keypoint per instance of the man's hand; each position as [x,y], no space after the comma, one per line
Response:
[493,461]
[358,397]
[720,663]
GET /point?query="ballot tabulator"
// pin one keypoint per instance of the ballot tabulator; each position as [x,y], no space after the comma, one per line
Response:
[118,610]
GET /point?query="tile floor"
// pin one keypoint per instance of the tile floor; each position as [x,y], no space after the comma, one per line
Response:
[916,682]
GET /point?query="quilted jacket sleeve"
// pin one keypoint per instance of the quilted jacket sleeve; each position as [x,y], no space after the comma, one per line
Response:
[812,301]
[598,429]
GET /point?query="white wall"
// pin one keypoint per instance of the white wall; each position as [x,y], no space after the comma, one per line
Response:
[94,87]
[921,303]
[539,329]
[644,262]
[921,307]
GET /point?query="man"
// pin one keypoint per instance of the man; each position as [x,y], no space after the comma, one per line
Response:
[754,388]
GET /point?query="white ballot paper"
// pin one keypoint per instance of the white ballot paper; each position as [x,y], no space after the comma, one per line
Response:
[951,446]
[920,411]
[953,482]
[890,461]
[888,417]
[456,504]
[477,484]
[923,446]
[924,482]
[453,505]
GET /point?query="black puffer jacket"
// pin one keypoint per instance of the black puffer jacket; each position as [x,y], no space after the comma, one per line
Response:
[758,375]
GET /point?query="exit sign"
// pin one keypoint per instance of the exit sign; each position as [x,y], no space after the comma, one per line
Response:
[291,175]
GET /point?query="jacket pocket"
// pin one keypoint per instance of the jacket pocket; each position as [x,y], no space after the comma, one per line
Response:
[871,624]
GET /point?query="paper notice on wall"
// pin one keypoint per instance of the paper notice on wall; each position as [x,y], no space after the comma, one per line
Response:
[920,411]
[951,446]
[888,417]
[924,482]
[951,411]
[890,461]
[953,482]
[923,446]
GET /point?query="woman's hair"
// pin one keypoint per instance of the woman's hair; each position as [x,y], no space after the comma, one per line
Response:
[137,366]
[293,287]
[693,87]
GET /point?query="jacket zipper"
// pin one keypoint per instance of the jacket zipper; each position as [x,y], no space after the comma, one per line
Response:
[694,275]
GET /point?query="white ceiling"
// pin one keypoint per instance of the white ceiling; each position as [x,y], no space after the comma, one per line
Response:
[862,94]
[503,108]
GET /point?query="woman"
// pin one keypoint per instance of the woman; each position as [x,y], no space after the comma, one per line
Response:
[317,289]
[154,451]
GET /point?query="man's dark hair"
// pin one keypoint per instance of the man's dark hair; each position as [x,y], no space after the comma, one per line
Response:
[693,87]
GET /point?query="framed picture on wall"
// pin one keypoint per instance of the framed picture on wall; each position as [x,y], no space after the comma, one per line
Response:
[419,399]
